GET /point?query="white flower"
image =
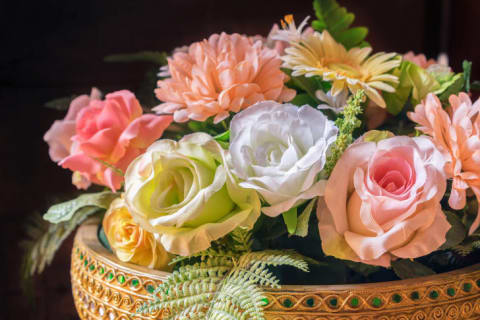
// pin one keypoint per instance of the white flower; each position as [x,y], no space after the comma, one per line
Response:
[279,150]
[289,31]
[336,103]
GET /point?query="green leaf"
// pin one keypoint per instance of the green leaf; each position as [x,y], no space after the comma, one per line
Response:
[155,57]
[303,99]
[303,219]
[64,211]
[407,269]
[61,104]
[456,234]
[362,268]
[224,137]
[336,20]
[309,85]
[453,86]
[352,37]
[467,72]
[290,218]
[475,85]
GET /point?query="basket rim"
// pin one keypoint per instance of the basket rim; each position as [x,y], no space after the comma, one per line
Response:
[86,236]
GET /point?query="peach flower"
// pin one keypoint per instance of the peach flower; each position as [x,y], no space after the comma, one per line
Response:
[419,59]
[226,73]
[59,136]
[382,202]
[130,242]
[109,135]
[457,133]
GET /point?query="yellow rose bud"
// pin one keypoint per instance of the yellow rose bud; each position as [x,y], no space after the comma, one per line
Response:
[130,242]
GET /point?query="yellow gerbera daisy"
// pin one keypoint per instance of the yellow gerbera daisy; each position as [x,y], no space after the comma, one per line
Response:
[318,54]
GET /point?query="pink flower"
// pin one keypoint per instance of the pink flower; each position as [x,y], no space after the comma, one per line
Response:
[59,136]
[226,73]
[419,60]
[109,135]
[382,202]
[457,134]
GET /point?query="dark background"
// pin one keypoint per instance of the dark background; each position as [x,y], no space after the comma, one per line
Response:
[51,49]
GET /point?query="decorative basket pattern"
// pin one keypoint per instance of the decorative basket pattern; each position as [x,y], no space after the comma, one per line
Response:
[105,288]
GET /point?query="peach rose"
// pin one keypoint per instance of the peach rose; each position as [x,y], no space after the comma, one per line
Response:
[382,202]
[109,135]
[129,242]
[59,136]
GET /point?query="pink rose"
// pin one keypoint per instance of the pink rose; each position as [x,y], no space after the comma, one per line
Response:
[109,135]
[59,136]
[382,202]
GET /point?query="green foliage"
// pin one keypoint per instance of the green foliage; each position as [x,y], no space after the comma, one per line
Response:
[346,123]
[223,284]
[304,218]
[337,20]
[290,219]
[407,269]
[155,57]
[45,239]
[467,72]
[457,232]
[65,211]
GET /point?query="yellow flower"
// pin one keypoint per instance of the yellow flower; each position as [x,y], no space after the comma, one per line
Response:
[130,242]
[318,54]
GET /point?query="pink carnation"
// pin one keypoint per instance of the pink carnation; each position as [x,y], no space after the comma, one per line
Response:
[382,202]
[226,73]
[109,135]
[419,59]
[457,133]
[59,136]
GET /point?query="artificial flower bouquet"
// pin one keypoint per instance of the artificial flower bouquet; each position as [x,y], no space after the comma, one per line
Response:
[299,158]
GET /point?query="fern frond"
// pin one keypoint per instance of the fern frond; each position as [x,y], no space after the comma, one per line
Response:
[209,253]
[274,258]
[242,238]
[195,312]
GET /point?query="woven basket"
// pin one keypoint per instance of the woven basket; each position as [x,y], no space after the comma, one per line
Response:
[106,288]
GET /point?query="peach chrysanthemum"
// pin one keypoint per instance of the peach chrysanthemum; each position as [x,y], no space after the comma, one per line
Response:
[457,134]
[318,54]
[226,73]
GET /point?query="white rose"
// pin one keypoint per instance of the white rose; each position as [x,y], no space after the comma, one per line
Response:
[279,150]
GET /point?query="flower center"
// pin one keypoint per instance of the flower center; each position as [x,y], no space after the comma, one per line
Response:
[345,69]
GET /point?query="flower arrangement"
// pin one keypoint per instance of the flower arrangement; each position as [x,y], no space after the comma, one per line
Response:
[264,154]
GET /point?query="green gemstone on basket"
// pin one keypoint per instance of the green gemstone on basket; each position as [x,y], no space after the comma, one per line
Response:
[150,288]
[110,276]
[135,283]
[81,256]
[121,279]
[433,294]
[397,298]
[101,270]
[92,267]
[354,302]
[415,295]
[265,301]
[287,303]
[310,302]
[467,287]
[85,263]
[451,292]
[333,302]
[376,302]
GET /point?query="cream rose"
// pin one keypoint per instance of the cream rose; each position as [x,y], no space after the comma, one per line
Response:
[383,202]
[182,192]
[279,150]
[129,242]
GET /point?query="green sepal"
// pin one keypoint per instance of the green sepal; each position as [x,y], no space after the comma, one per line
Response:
[290,219]
[224,137]
[407,269]
[65,211]
[301,229]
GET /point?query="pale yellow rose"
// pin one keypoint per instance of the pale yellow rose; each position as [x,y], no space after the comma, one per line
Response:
[130,242]
[184,194]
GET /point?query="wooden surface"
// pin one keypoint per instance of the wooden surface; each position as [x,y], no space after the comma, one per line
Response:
[54,48]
